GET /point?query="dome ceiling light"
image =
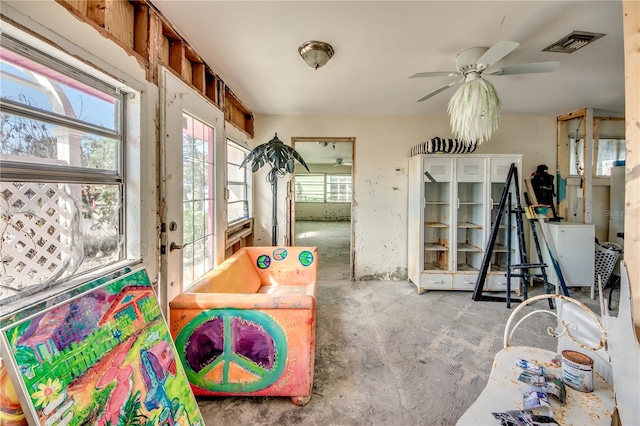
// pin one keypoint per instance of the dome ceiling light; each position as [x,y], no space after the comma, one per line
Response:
[315,53]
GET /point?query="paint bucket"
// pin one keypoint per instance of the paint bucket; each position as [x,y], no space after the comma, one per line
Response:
[577,371]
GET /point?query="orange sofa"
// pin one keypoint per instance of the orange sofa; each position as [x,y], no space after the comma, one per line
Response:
[248,326]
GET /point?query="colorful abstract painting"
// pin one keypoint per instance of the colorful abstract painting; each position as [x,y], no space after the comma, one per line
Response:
[103,357]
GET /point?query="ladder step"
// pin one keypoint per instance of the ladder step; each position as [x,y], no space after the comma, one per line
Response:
[528,265]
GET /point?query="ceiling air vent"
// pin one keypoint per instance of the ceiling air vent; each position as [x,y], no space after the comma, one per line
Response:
[573,42]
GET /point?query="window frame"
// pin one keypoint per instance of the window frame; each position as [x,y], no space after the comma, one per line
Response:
[338,193]
[248,187]
[575,154]
[36,172]
[325,192]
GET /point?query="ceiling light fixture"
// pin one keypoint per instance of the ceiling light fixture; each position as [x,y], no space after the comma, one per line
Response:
[315,53]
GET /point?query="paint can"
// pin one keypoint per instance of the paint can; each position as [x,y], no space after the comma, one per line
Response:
[577,370]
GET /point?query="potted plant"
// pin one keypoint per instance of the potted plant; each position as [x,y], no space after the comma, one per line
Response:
[282,160]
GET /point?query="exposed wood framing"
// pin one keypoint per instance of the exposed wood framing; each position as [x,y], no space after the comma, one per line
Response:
[239,235]
[139,28]
[587,186]
[236,114]
[562,170]
[106,24]
[631,23]
[563,154]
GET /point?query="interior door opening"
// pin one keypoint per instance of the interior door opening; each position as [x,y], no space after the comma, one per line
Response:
[321,202]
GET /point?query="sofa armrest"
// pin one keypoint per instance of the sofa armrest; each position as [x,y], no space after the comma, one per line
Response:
[242,301]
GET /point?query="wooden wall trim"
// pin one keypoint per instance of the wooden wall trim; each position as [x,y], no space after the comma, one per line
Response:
[631,24]
[141,30]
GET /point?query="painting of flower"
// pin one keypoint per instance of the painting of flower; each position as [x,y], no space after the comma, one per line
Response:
[47,392]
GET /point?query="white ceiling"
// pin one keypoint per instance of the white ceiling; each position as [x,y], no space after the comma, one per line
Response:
[253,46]
[318,153]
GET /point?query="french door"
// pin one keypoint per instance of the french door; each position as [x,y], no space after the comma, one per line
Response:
[192,205]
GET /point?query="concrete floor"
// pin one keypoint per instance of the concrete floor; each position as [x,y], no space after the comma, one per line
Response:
[386,355]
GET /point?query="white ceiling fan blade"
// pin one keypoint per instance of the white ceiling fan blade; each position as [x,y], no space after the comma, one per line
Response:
[435,92]
[435,74]
[496,52]
[530,68]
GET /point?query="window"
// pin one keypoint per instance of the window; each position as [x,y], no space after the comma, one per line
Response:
[323,188]
[338,188]
[609,151]
[310,188]
[61,179]
[238,188]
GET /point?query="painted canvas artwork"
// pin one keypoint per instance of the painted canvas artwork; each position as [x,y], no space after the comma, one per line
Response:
[104,357]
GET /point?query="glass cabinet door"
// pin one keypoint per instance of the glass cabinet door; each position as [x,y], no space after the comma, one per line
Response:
[499,255]
[470,226]
[471,206]
[437,213]
[498,176]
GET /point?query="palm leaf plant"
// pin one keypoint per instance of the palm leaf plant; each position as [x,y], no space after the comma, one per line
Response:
[281,158]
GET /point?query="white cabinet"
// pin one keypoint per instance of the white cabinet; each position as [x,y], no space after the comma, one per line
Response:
[575,249]
[453,201]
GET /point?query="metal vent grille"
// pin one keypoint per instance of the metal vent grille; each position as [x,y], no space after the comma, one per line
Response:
[572,42]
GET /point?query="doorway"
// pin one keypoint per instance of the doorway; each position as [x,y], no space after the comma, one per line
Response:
[321,202]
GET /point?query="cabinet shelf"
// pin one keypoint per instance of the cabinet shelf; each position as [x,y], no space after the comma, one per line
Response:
[436,225]
[469,247]
[434,266]
[469,225]
[470,203]
[437,203]
[435,247]
[498,268]
[501,248]
[503,226]
[466,268]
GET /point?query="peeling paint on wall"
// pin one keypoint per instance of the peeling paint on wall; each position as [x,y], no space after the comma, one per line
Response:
[400,274]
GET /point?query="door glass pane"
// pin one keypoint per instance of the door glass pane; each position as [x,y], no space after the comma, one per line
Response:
[198,212]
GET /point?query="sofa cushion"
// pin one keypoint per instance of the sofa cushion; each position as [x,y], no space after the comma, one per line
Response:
[284,289]
[234,275]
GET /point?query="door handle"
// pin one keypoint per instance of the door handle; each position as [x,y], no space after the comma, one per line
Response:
[173,246]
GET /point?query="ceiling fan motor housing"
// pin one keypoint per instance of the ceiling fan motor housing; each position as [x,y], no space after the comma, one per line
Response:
[466,61]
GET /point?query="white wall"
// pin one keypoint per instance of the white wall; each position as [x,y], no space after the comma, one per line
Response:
[326,212]
[380,202]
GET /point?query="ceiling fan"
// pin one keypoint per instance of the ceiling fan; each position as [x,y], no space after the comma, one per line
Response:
[473,62]
[341,162]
